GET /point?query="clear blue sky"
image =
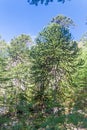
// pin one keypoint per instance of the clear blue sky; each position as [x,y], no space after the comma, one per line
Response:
[17,17]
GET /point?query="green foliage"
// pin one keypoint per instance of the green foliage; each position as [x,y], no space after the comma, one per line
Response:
[63,21]
[35,2]
[53,58]
[81,91]
[44,86]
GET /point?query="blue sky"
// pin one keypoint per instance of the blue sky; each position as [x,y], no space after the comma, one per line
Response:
[17,17]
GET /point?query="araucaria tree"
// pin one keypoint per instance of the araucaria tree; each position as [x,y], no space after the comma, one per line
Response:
[53,66]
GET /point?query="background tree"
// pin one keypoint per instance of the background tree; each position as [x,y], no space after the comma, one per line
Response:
[63,21]
[82,76]
[3,69]
[78,116]
[19,65]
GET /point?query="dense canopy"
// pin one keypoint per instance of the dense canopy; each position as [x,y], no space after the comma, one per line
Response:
[43,85]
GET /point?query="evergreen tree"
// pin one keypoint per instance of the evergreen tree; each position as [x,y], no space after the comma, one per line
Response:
[81,101]
[53,66]
[19,65]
